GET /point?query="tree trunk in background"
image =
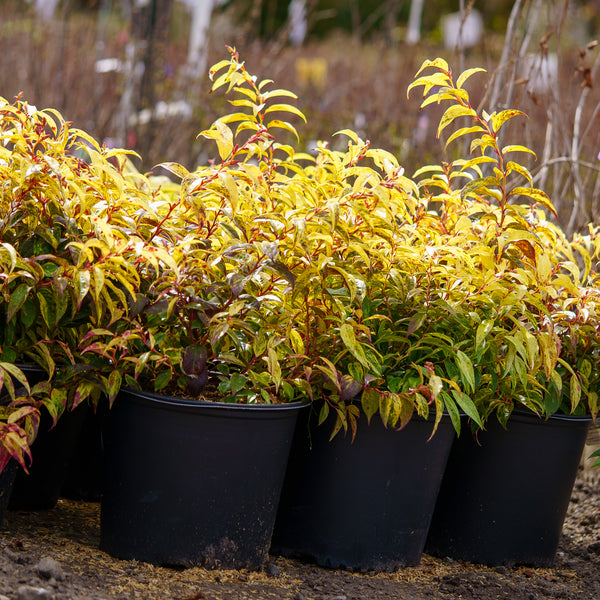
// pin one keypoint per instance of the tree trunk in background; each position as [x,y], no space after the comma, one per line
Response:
[150,30]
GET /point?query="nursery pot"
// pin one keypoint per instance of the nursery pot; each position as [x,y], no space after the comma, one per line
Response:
[365,504]
[7,478]
[193,483]
[51,453]
[505,495]
[84,479]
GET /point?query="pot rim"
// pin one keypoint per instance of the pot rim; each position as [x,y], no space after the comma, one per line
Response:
[175,401]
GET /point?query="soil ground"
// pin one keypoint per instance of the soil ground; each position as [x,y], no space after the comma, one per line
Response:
[54,555]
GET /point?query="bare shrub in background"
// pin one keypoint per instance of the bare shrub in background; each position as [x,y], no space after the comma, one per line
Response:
[87,65]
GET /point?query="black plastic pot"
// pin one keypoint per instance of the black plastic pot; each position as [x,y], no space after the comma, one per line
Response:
[363,505]
[51,452]
[84,478]
[7,478]
[193,483]
[504,496]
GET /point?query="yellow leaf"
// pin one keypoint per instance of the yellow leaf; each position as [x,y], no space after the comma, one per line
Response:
[516,148]
[498,119]
[466,74]
[538,196]
[464,131]
[230,185]
[549,353]
[452,113]
[285,108]
[296,341]
[223,136]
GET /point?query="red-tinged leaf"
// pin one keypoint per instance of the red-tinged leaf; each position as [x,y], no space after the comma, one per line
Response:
[194,359]
[350,388]
[341,421]
[353,414]
[15,373]
[82,392]
[114,386]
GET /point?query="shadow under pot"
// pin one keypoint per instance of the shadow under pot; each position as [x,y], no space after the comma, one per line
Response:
[365,504]
[505,495]
[193,483]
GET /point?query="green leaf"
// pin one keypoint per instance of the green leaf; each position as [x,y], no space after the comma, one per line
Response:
[465,366]
[17,299]
[237,383]
[452,410]
[28,313]
[467,406]
[323,413]
[370,402]
[162,380]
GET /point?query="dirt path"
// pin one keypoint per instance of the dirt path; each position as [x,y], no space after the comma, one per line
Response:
[53,555]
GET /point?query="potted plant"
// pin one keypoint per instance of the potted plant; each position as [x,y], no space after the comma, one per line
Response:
[198,439]
[63,272]
[518,373]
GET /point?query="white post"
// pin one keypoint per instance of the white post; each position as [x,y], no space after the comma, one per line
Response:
[414,21]
[297,21]
[45,8]
[196,58]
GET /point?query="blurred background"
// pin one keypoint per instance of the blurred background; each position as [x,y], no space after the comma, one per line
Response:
[133,73]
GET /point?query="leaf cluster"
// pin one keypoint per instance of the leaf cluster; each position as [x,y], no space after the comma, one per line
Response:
[270,275]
